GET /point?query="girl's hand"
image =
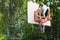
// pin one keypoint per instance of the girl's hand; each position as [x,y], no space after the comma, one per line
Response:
[49,18]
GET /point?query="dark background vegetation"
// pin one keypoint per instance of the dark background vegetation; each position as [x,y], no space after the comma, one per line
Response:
[14,26]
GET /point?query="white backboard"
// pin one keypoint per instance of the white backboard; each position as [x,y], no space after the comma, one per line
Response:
[31,8]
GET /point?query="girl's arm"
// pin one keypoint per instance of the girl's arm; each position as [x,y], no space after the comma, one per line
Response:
[48,13]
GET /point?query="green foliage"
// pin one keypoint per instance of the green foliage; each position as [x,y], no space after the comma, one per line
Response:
[3,38]
[13,15]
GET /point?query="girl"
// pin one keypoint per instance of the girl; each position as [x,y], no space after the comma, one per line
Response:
[44,15]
